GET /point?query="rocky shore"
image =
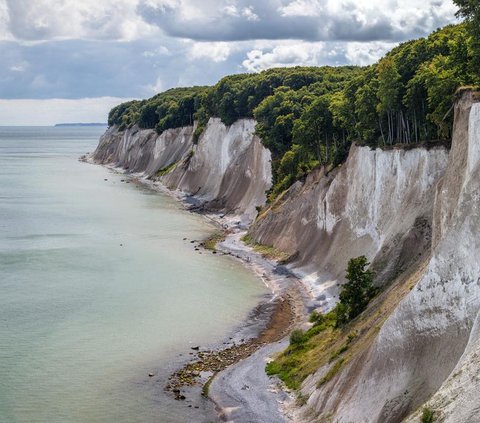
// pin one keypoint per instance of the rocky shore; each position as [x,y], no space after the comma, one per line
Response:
[208,363]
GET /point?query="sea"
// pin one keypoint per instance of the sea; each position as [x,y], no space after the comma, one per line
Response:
[100,286]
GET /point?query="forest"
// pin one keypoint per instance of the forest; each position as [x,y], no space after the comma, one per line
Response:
[309,116]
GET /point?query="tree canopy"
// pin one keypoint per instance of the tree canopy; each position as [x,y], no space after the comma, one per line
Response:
[309,116]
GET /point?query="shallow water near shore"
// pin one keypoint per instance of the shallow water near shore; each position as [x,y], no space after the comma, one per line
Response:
[98,287]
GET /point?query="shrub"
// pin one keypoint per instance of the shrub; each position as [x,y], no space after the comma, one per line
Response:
[428,416]
[297,337]
[316,318]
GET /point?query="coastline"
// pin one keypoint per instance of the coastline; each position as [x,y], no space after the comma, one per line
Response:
[263,333]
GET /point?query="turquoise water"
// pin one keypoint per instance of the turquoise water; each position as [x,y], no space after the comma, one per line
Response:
[98,287]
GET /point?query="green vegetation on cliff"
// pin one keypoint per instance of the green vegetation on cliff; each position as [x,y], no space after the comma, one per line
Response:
[292,366]
[309,116]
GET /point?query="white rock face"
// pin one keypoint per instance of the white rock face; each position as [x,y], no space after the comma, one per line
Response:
[430,344]
[378,204]
[143,151]
[228,170]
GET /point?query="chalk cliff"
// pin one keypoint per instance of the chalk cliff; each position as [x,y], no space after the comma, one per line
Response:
[228,170]
[403,209]
[429,346]
[378,204]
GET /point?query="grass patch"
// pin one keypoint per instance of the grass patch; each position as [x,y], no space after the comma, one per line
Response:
[428,416]
[198,132]
[301,400]
[344,347]
[166,169]
[267,251]
[211,242]
[290,366]
[326,342]
[206,387]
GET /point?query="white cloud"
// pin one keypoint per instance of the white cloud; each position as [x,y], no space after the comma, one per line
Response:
[19,67]
[366,53]
[268,54]
[234,11]
[160,51]
[300,8]
[215,51]
[249,13]
[4,22]
[287,54]
[40,20]
[52,111]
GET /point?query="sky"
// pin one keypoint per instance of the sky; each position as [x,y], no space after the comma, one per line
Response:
[72,60]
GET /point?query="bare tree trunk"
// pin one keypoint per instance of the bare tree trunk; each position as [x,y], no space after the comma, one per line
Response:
[381,129]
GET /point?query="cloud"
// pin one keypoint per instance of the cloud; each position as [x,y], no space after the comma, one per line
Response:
[222,20]
[310,20]
[216,51]
[40,20]
[84,68]
[52,111]
[293,54]
[266,55]
[366,53]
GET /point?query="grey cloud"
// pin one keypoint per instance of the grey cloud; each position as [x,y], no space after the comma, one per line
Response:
[273,25]
[78,69]
[227,27]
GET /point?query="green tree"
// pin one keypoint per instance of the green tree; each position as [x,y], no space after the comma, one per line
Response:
[388,94]
[358,290]
[314,128]
[441,82]
[470,10]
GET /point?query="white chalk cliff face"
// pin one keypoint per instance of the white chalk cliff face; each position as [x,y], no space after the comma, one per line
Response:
[430,343]
[227,171]
[143,151]
[378,204]
[230,170]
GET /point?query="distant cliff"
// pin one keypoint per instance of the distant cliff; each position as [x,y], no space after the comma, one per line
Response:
[227,170]
[59,125]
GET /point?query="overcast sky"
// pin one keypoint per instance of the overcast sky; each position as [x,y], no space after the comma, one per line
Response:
[71,60]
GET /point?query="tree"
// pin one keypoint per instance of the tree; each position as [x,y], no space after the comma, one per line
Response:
[470,10]
[388,94]
[441,83]
[314,128]
[357,291]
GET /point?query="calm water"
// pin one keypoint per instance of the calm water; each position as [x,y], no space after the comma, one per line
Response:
[83,320]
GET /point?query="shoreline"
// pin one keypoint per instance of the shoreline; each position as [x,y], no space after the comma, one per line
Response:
[268,324]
